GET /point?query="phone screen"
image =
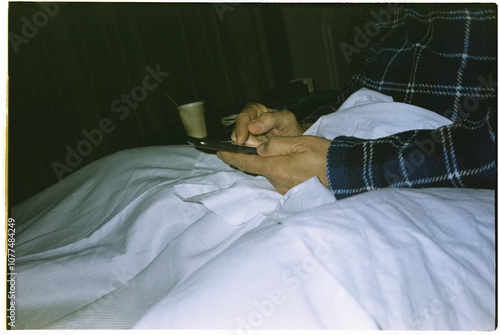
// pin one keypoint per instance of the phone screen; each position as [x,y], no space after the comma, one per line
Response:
[214,145]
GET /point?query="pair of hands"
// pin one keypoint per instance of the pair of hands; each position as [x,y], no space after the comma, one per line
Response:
[284,157]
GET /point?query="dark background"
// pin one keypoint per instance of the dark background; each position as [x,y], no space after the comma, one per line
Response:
[69,62]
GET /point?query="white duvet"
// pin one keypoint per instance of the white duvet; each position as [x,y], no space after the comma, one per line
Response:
[168,237]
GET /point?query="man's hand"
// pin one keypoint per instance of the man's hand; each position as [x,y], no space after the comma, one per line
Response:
[285,161]
[256,124]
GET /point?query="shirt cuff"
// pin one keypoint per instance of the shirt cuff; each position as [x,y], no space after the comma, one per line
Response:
[352,167]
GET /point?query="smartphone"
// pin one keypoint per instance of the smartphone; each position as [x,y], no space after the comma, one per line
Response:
[214,145]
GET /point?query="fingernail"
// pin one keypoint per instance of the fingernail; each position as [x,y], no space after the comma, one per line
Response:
[260,148]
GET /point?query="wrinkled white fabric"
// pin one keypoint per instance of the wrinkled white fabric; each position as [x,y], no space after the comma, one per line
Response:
[390,259]
[369,115]
[168,237]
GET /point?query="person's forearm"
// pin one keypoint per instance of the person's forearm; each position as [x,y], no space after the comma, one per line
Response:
[459,155]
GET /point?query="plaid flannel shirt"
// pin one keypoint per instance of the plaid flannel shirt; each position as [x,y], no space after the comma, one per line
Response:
[441,59]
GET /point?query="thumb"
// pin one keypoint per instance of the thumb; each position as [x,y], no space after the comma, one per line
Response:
[278,146]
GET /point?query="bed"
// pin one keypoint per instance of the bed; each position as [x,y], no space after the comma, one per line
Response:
[171,238]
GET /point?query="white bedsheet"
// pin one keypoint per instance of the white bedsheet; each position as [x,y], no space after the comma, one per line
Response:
[167,237]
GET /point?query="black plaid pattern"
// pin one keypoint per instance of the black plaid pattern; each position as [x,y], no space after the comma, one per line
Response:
[441,59]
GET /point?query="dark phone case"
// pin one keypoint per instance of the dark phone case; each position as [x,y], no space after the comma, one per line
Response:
[214,145]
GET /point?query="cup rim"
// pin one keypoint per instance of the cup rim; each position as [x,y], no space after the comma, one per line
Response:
[191,104]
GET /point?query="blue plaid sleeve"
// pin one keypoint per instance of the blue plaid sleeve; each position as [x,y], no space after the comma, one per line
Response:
[459,155]
[442,58]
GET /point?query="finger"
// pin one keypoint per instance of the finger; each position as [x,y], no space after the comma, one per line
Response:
[263,124]
[269,121]
[248,163]
[250,112]
[240,132]
[254,141]
[279,146]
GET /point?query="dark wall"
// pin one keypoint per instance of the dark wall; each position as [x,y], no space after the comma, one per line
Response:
[89,79]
